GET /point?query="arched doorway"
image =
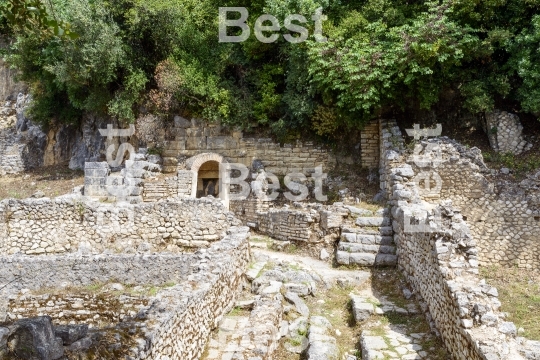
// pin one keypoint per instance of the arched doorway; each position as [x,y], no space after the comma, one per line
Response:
[208,179]
[205,168]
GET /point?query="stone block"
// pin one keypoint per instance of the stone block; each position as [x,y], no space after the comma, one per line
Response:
[101,172]
[221,143]
[386,260]
[362,259]
[372,221]
[95,190]
[96,165]
[95,181]
[330,219]
[362,310]
[343,257]
[181,122]
[196,143]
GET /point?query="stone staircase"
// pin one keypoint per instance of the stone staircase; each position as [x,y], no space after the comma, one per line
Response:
[368,241]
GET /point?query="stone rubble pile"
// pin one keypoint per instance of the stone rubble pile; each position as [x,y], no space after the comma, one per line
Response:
[276,289]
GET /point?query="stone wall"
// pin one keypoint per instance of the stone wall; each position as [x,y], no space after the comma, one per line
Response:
[154,191]
[504,216]
[182,329]
[439,257]
[369,145]
[195,137]
[71,224]
[177,321]
[305,222]
[59,271]
[505,132]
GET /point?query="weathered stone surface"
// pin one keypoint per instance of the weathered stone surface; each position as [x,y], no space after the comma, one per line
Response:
[322,346]
[34,339]
[299,304]
[70,333]
[372,221]
[81,345]
[361,308]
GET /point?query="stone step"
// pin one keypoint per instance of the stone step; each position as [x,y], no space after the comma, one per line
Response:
[365,259]
[381,231]
[373,221]
[362,308]
[362,248]
[368,239]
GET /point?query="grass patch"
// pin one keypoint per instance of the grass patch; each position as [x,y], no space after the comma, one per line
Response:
[519,164]
[237,311]
[519,294]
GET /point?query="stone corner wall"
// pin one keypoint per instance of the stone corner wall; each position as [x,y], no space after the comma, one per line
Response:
[174,324]
[194,309]
[439,257]
[503,215]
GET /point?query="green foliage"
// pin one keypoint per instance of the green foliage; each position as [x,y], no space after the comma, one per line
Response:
[32,16]
[380,55]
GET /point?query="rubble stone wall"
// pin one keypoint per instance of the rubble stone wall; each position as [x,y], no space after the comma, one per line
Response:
[188,313]
[310,222]
[505,132]
[176,322]
[65,225]
[287,225]
[57,271]
[439,257]
[504,216]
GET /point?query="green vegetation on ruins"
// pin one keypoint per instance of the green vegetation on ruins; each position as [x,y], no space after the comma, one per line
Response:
[383,57]
[519,293]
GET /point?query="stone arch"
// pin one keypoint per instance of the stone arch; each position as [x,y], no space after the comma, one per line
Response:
[195,163]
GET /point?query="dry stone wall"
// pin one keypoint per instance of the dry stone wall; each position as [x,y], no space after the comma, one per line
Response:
[504,216]
[175,323]
[58,271]
[76,224]
[304,222]
[186,314]
[438,255]
[505,132]
[369,145]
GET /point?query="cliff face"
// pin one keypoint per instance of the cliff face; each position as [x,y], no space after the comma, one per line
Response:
[25,145]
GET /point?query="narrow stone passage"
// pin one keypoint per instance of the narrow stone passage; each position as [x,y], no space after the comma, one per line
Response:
[295,307]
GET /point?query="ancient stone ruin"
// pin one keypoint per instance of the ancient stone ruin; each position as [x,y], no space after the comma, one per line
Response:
[155,259]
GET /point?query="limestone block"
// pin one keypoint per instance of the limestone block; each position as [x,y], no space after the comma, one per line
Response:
[196,143]
[181,122]
[221,143]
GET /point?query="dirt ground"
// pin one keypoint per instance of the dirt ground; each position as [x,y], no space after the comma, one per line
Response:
[52,181]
